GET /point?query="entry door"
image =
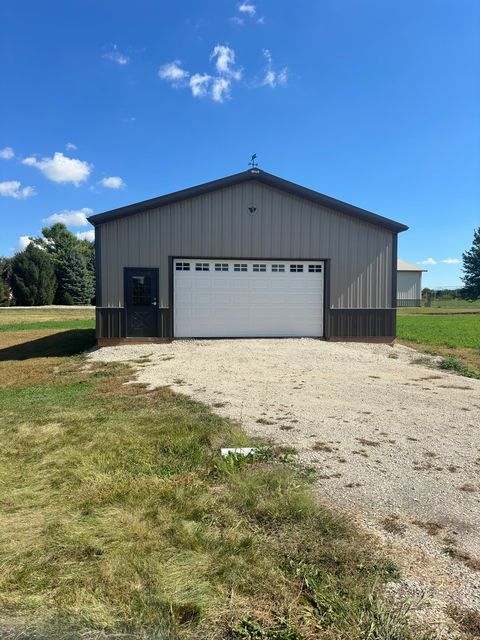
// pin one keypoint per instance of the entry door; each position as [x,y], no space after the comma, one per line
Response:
[248,298]
[141,302]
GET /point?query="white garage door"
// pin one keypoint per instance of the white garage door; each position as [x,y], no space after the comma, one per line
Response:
[245,298]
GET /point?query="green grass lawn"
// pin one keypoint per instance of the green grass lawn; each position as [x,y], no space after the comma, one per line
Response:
[454,330]
[12,319]
[119,519]
[49,324]
[448,332]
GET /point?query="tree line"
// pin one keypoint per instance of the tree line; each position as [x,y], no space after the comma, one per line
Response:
[55,268]
[59,268]
[471,278]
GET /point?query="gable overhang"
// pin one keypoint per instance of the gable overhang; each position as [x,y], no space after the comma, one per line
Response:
[246,176]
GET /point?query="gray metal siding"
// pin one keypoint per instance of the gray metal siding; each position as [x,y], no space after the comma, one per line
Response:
[409,286]
[218,224]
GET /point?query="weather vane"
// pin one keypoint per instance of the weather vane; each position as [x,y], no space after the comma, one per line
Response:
[253,162]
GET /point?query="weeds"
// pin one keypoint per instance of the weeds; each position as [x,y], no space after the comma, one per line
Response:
[463,556]
[453,364]
[392,524]
[251,630]
[467,619]
[432,528]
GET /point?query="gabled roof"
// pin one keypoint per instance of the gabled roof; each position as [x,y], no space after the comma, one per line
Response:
[245,176]
[403,265]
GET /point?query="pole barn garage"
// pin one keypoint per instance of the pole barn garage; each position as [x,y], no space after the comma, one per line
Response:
[250,255]
[409,284]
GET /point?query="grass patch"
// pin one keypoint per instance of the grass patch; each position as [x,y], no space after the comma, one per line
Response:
[15,316]
[453,331]
[48,324]
[454,336]
[120,519]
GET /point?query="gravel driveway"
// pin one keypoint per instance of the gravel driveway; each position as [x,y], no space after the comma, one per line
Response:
[395,443]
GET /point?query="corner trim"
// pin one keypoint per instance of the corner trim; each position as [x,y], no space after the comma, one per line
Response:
[394,280]
[98,267]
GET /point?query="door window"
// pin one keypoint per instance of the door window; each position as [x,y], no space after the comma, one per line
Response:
[141,291]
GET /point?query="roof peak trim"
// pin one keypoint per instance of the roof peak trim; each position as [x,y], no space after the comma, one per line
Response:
[238,178]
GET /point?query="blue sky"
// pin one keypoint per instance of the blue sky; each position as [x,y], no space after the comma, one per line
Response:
[374,102]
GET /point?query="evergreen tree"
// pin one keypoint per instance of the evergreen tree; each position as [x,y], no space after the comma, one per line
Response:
[60,243]
[33,278]
[75,278]
[471,269]
[5,294]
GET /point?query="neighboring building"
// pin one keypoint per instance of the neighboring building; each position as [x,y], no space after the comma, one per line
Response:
[248,255]
[409,284]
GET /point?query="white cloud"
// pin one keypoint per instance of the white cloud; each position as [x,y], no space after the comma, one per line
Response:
[248,8]
[115,55]
[451,261]
[6,153]
[72,218]
[199,84]
[86,235]
[220,89]
[112,182]
[225,59]
[217,87]
[271,77]
[238,21]
[61,168]
[428,261]
[71,147]
[14,189]
[22,243]
[173,72]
